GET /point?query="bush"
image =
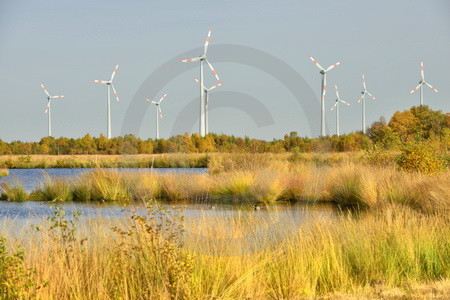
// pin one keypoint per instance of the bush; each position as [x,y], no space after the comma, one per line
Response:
[421,158]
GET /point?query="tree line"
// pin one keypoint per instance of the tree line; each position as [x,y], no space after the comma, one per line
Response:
[418,124]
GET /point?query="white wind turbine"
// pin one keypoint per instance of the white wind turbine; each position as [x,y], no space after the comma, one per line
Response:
[158,113]
[48,108]
[363,97]
[422,82]
[206,91]
[108,84]
[202,94]
[323,91]
[336,105]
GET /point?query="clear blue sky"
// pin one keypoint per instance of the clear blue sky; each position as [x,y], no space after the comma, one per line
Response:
[66,44]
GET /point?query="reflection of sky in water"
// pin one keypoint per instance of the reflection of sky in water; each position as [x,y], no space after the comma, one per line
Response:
[256,229]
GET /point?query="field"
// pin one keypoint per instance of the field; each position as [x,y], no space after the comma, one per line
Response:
[392,252]
[168,160]
[389,239]
[4,172]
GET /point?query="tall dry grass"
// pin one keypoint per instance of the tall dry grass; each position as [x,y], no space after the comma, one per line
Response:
[160,255]
[4,172]
[348,185]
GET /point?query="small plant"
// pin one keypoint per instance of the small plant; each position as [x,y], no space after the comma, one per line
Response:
[156,240]
[16,281]
[61,228]
[421,158]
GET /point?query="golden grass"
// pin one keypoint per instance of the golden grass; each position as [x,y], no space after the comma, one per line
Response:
[179,160]
[391,252]
[216,162]
[4,172]
[349,185]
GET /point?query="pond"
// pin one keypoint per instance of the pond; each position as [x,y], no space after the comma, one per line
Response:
[31,178]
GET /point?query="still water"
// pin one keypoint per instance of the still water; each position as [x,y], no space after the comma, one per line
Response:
[31,178]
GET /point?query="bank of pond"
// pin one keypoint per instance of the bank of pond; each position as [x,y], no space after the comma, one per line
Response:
[351,185]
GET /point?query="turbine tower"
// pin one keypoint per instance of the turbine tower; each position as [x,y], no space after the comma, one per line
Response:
[364,93]
[336,105]
[202,58]
[323,91]
[48,109]
[422,82]
[206,91]
[158,113]
[108,103]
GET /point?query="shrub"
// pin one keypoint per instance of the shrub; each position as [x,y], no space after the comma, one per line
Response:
[16,281]
[421,158]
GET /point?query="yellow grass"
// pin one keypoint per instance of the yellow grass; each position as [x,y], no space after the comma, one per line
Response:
[4,172]
[392,252]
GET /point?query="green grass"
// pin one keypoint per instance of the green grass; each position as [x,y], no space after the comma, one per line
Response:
[13,192]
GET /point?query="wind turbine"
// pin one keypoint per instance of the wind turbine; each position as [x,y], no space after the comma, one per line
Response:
[206,91]
[324,88]
[108,104]
[48,108]
[363,97]
[158,113]
[422,82]
[336,105]
[202,58]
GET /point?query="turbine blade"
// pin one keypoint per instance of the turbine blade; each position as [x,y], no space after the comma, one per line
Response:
[431,87]
[316,63]
[324,88]
[334,105]
[416,88]
[344,102]
[47,107]
[422,69]
[114,72]
[151,101]
[208,39]
[190,59]
[362,97]
[55,97]
[160,112]
[162,98]
[217,85]
[101,81]
[371,96]
[337,91]
[199,83]
[212,70]
[364,82]
[334,66]
[115,93]
[45,90]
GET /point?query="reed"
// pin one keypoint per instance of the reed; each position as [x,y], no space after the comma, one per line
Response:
[13,192]
[392,252]
[4,172]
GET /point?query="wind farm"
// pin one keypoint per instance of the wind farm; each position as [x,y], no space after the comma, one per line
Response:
[261,186]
